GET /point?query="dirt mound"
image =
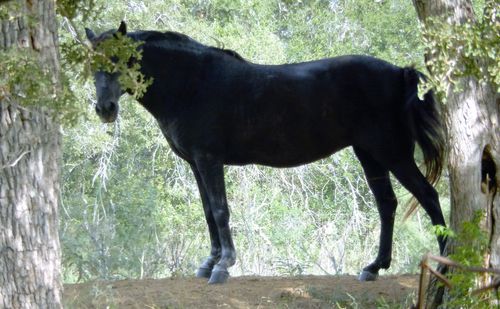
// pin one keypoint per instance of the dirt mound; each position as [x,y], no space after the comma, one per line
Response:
[246,292]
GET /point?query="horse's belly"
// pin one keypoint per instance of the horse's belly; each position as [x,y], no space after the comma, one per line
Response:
[290,161]
[280,154]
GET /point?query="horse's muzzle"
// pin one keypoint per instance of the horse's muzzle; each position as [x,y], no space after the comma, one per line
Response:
[107,111]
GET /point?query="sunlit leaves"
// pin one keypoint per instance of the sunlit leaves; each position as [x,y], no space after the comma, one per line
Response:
[26,81]
[22,77]
[120,54]
[86,9]
[9,9]
[471,252]
[469,49]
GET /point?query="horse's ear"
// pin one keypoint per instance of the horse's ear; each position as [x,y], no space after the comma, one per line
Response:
[123,28]
[90,34]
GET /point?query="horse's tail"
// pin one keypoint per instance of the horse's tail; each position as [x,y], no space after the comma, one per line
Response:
[425,126]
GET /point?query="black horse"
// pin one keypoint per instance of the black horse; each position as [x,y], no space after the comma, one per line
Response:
[216,108]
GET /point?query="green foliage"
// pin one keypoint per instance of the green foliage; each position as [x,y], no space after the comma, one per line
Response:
[71,9]
[444,231]
[120,54]
[121,229]
[469,49]
[24,80]
[471,251]
[9,9]
[386,29]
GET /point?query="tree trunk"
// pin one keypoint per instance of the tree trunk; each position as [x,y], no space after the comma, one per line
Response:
[29,173]
[472,120]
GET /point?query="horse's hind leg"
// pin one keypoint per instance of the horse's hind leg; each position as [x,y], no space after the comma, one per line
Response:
[205,270]
[412,179]
[379,182]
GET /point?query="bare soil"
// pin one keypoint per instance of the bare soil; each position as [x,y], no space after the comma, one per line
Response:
[246,292]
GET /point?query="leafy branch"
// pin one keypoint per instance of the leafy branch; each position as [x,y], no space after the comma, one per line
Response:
[121,54]
[462,50]
[465,274]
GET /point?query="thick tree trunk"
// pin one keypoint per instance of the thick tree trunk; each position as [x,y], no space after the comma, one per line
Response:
[472,118]
[29,174]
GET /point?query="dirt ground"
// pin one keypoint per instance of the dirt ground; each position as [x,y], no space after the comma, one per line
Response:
[246,292]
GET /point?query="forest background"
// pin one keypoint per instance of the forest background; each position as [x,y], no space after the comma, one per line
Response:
[130,208]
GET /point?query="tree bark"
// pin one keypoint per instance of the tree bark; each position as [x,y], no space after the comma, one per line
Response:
[30,146]
[472,118]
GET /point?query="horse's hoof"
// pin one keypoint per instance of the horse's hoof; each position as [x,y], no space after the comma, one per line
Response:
[218,277]
[367,276]
[204,272]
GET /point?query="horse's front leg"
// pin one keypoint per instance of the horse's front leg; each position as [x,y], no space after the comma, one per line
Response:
[211,176]
[205,269]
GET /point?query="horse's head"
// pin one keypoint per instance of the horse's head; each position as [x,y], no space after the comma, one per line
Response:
[108,88]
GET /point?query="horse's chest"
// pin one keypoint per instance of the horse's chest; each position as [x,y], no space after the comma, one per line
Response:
[173,135]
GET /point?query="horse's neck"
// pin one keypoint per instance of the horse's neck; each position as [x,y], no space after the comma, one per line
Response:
[177,75]
[170,77]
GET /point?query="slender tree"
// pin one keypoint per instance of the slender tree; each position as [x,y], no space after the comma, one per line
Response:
[29,156]
[471,110]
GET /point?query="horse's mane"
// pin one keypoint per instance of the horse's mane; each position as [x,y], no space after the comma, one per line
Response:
[169,38]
